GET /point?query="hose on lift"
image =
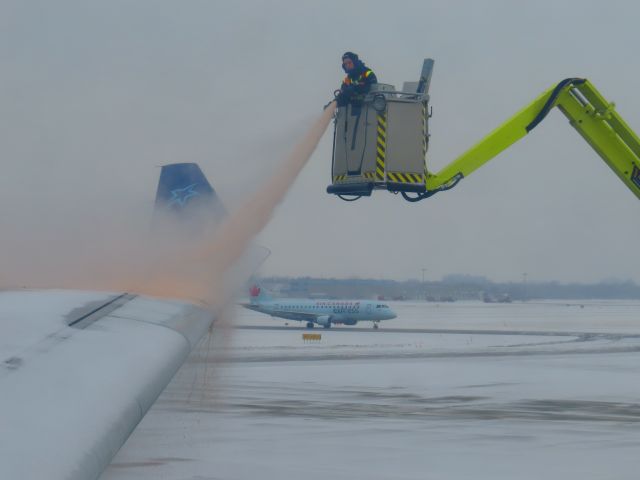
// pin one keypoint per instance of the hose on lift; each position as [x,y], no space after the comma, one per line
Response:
[550,103]
[422,196]
[349,199]
[419,196]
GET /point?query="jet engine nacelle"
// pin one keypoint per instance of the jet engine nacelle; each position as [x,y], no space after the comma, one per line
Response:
[324,320]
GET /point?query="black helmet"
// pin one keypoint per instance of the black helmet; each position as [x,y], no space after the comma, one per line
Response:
[353,56]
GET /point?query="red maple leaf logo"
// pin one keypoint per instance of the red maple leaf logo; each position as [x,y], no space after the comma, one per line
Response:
[254,291]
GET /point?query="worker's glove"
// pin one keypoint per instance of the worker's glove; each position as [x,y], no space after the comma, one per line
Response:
[348,90]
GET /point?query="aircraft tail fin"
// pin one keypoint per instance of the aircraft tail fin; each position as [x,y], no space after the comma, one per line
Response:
[184,194]
[258,294]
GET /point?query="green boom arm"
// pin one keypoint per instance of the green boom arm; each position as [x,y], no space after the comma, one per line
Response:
[588,112]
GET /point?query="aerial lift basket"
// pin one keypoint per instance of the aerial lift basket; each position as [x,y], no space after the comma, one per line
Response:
[381,143]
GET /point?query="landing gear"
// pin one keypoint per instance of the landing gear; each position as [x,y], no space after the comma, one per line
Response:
[328,325]
[310,325]
[375,325]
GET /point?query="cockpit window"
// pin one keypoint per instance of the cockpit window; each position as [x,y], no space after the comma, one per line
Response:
[381,306]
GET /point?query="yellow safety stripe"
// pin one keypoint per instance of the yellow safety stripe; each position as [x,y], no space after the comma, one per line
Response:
[381,146]
[339,178]
[348,81]
[367,175]
[404,177]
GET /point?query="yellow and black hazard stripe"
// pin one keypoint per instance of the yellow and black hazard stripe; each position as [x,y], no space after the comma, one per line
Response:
[381,146]
[339,178]
[424,139]
[367,175]
[403,177]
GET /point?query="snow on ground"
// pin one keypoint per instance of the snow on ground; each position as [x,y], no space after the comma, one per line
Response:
[456,391]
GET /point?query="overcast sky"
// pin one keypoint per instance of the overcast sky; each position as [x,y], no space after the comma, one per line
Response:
[95,95]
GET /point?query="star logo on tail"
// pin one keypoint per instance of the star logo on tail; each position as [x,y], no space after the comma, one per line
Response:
[180,196]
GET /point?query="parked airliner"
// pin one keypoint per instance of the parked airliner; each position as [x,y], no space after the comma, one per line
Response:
[319,312]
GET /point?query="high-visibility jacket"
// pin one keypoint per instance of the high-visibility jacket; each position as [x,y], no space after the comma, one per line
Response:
[353,89]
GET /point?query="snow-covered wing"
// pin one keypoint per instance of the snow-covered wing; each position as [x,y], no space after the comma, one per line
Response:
[78,371]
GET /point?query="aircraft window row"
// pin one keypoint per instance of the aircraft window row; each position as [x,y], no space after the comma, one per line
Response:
[382,306]
[318,307]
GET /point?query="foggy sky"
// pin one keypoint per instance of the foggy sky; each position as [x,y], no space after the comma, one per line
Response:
[94,96]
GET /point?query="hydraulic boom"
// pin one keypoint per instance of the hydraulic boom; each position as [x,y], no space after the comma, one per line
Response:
[588,112]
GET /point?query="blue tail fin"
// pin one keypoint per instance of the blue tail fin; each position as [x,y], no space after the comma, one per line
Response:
[185,194]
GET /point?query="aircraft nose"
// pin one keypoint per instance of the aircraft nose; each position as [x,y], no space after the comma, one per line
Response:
[392,314]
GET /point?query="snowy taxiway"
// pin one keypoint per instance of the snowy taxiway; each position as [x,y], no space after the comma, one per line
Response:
[456,391]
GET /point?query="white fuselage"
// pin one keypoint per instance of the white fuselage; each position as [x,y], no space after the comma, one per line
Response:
[324,312]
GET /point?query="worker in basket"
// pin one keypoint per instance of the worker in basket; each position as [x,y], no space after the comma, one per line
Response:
[357,83]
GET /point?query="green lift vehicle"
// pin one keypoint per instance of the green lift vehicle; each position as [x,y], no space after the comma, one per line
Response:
[381,144]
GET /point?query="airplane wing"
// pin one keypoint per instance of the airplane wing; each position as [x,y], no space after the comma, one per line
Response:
[78,371]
